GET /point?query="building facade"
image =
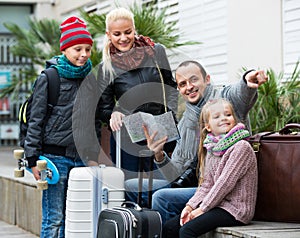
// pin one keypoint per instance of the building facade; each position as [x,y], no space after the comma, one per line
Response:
[234,34]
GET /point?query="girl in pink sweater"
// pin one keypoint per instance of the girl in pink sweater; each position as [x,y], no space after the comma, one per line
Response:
[226,195]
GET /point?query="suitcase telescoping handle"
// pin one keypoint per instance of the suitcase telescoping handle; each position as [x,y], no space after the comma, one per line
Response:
[118,149]
[143,154]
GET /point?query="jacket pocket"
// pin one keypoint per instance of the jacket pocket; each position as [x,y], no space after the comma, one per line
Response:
[66,94]
[53,124]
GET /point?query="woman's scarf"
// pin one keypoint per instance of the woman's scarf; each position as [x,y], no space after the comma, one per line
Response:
[218,145]
[132,58]
[68,70]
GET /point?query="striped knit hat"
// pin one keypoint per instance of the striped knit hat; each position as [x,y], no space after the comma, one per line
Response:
[73,32]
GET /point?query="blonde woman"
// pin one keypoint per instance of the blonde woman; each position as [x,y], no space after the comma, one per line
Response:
[135,76]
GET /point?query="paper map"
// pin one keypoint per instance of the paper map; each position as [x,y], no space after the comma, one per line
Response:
[164,124]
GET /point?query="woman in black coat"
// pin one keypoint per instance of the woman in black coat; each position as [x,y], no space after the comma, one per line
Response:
[132,75]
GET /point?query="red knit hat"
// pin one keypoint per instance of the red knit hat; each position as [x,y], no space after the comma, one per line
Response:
[73,32]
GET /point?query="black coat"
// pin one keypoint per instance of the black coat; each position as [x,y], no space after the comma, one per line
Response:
[139,89]
[68,118]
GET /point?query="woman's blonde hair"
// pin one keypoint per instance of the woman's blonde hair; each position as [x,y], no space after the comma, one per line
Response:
[114,15]
[204,119]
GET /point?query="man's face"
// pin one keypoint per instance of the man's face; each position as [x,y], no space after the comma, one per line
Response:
[191,83]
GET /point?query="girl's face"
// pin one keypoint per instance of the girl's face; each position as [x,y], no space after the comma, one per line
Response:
[221,119]
[78,54]
[121,33]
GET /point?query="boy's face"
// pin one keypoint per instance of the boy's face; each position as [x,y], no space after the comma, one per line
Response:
[78,54]
[191,83]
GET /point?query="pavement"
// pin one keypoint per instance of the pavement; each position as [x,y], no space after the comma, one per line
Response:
[11,231]
[7,166]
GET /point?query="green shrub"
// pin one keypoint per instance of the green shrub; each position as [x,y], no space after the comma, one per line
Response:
[278,102]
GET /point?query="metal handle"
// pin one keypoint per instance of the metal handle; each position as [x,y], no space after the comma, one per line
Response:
[131,205]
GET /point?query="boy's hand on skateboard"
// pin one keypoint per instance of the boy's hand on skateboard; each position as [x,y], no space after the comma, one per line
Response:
[36,173]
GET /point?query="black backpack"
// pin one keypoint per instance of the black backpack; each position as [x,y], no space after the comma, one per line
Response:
[53,93]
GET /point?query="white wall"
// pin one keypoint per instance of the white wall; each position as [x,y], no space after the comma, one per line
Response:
[254,35]
[205,22]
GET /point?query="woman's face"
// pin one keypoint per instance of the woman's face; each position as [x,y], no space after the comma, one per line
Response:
[121,33]
[78,54]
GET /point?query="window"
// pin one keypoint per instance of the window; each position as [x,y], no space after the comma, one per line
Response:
[14,13]
[291,34]
[206,22]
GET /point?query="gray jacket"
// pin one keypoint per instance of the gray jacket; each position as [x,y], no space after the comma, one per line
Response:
[242,98]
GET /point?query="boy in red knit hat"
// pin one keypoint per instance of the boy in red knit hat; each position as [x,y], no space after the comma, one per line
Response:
[53,136]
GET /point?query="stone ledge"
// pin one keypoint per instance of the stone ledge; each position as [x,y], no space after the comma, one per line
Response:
[257,229]
[20,204]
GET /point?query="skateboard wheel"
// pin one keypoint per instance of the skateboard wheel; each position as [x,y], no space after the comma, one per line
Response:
[42,185]
[41,165]
[19,154]
[19,173]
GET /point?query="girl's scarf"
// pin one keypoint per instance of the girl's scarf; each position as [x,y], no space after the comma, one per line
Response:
[68,70]
[218,145]
[188,125]
[132,58]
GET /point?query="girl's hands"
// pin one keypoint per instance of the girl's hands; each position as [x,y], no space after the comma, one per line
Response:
[195,213]
[185,215]
[189,214]
[155,146]
[115,121]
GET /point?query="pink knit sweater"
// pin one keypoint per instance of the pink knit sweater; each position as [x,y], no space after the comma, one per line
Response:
[230,182]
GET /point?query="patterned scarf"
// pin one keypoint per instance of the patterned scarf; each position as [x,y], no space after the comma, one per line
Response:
[69,71]
[188,125]
[132,58]
[218,145]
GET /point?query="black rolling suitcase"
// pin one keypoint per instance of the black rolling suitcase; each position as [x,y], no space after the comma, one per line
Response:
[130,220]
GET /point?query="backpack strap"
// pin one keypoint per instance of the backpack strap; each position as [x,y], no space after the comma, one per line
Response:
[53,86]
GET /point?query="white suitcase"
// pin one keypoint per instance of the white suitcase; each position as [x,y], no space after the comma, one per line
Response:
[90,190]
